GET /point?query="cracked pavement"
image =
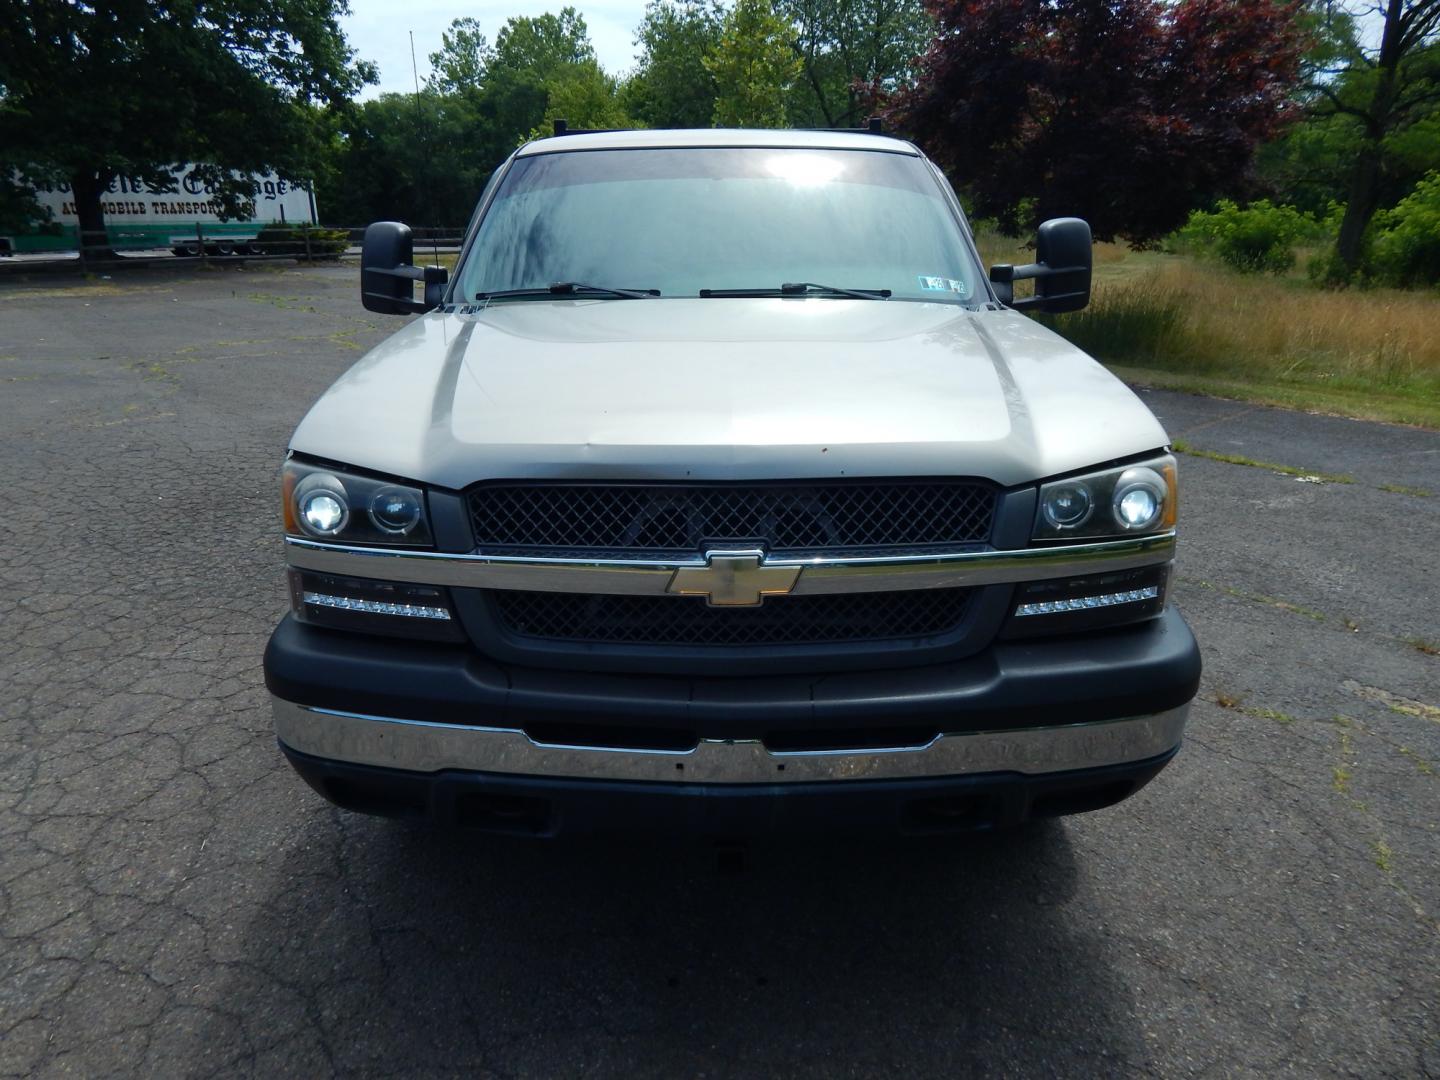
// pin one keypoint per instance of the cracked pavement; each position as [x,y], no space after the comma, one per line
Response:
[175,902]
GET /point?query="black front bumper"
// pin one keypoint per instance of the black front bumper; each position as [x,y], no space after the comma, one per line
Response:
[1134,671]
[1129,671]
[547,807]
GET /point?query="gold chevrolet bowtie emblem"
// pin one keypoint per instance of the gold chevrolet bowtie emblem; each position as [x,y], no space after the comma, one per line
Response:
[733,579]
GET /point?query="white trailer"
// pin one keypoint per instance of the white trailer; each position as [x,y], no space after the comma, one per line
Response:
[174,215]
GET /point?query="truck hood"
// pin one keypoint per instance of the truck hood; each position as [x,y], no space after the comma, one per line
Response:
[725,389]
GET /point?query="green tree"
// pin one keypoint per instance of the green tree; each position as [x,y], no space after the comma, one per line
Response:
[851,51]
[1407,245]
[1306,165]
[539,46]
[488,99]
[94,93]
[20,211]
[753,65]
[463,58]
[405,157]
[1387,93]
[535,57]
[671,86]
[586,97]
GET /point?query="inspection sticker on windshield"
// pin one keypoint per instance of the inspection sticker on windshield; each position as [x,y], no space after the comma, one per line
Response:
[940,284]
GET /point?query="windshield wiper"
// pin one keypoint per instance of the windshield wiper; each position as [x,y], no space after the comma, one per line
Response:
[570,288]
[797,288]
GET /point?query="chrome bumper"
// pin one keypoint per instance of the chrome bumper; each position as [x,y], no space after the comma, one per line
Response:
[425,747]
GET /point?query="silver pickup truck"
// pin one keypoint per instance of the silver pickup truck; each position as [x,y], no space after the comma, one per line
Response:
[721,490]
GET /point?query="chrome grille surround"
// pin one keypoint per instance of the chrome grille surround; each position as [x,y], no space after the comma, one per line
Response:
[657,579]
[652,577]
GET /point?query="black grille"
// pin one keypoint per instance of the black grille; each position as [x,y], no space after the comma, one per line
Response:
[829,516]
[783,620]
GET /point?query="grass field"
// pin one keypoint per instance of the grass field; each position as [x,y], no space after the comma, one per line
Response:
[1186,324]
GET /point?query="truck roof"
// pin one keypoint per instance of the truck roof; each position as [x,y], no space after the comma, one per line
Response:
[696,137]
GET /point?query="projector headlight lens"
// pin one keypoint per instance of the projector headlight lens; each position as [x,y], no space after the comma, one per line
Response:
[1121,501]
[323,513]
[396,510]
[322,505]
[327,504]
[1067,506]
[1139,499]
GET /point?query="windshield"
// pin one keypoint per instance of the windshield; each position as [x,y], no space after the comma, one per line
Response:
[690,219]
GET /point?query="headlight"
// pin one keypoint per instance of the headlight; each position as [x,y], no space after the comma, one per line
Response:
[1139,500]
[1123,501]
[321,506]
[396,510]
[327,504]
[1066,506]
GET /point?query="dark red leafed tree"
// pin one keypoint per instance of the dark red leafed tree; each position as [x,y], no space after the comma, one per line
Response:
[1128,113]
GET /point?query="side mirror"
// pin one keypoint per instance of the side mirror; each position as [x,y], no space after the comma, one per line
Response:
[1061,270]
[387,276]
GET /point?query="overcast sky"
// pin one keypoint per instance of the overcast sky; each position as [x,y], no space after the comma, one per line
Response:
[379,30]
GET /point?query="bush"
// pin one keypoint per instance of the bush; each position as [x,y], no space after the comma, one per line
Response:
[1329,271]
[276,239]
[1260,238]
[1405,251]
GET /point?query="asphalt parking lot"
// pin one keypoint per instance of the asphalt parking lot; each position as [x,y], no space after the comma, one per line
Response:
[175,902]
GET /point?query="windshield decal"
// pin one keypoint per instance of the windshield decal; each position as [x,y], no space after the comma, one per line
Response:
[942,284]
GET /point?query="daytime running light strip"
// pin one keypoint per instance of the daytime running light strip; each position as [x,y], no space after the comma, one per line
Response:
[1082,603]
[376,607]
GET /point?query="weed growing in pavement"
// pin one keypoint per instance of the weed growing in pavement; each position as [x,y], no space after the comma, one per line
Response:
[1182,447]
[1383,855]
[1420,763]
[1267,714]
[1341,771]
[1401,489]
[1424,645]
[1271,601]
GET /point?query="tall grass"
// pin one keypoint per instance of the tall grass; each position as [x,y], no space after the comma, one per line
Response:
[1372,353]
